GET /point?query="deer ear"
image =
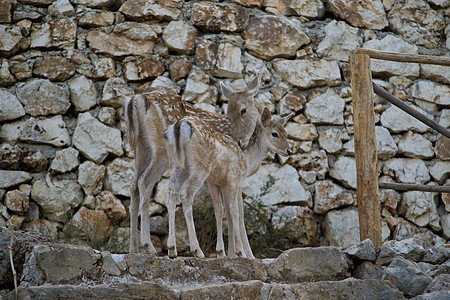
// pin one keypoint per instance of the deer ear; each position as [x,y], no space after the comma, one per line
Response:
[284,120]
[253,86]
[266,117]
[226,92]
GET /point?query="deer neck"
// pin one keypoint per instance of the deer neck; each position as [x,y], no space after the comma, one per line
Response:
[256,151]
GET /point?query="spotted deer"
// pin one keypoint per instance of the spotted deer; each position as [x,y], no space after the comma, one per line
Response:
[147,116]
[198,154]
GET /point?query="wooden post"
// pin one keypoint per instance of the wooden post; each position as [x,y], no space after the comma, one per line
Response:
[365,149]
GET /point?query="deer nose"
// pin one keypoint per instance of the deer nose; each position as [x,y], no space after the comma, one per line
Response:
[289,152]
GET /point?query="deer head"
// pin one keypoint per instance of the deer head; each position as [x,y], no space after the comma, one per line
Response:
[242,112]
[274,135]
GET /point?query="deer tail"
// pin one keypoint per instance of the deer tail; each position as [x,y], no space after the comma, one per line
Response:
[133,111]
[178,136]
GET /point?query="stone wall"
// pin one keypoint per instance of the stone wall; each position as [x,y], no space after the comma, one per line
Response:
[66,67]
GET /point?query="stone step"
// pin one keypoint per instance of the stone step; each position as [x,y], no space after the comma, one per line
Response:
[345,289]
[61,264]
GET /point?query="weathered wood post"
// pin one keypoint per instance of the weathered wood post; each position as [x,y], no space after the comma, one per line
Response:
[365,149]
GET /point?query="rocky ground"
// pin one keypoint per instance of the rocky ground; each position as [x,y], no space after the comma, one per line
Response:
[396,270]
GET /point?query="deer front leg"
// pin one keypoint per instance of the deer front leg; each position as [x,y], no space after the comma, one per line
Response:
[218,213]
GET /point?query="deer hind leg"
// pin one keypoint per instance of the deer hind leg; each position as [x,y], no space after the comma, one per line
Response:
[134,215]
[243,232]
[152,174]
[230,200]
[214,190]
[177,177]
[188,190]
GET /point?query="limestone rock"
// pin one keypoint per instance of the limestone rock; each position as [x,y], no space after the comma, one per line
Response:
[340,41]
[83,93]
[440,171]
[96,19]
[17,202]
[431,92]
[58,33]
[41,97]
[268,37]
[435,73]
[107,115]
[48,131]
[6,8]
[396,120]
[311,9]
[128,38]
[368,14]
[407,170]
[248,3]
[115,92]
[415,145]
[111,205]
[198,88]
[61,8]
[95,140]
[304,228]
[341,227]
[417,23]
[442,148]
[54,68]
[180,68]
[58,198]
[407,277]
[103,4]
[215,17]
[420,208]
[11,40]
[58,263]
[36,162]
[89,224]
[119,176]
[408,249]
[90,177]
[291,102]
[179,36]
[302,264]
[142,69]
[273,185]
[386,147]
[43,226]
[327,108]
[10,106]
[344,170]
[306,74]
[6,78]
[159,9]
[392,43]
[65,160]
[330,196]
[315,161]
[301,132]
[363,251]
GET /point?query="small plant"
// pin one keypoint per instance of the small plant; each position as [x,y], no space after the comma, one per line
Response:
[265,239]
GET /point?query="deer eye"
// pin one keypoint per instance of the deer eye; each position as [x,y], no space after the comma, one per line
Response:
[275,134]
[243,111]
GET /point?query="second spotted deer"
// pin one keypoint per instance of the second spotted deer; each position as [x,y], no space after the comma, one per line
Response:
[199,154]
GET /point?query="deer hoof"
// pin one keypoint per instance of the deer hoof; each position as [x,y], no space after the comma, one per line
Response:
[220,253]
[199,254]
[172,252]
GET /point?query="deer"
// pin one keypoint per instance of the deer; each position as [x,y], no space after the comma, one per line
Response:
[199,154]
[147,116]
